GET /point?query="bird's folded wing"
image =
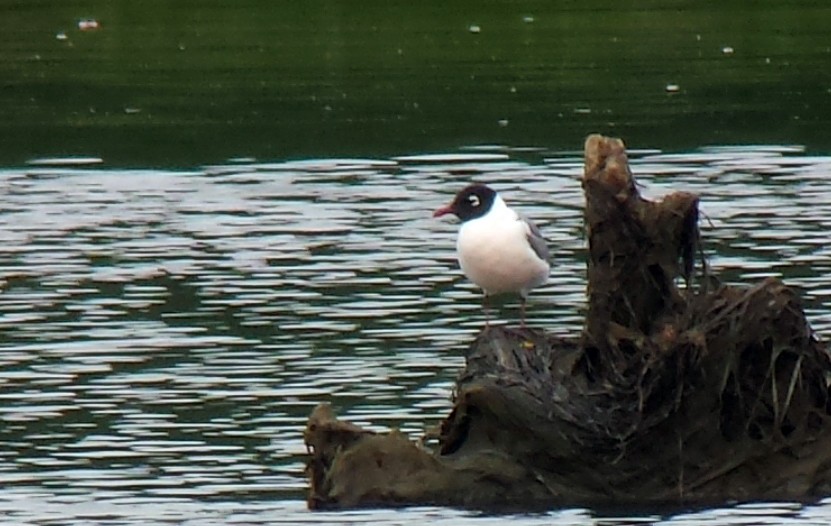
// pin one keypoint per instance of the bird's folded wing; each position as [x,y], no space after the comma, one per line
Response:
[535,238]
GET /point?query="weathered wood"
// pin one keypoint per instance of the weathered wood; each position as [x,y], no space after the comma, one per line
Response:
[670,395]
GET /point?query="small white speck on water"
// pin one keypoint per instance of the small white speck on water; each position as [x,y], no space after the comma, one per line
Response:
[88,24]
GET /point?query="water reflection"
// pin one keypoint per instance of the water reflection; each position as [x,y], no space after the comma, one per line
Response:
[166,333]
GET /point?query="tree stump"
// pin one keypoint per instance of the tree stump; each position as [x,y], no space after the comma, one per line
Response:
[674,393]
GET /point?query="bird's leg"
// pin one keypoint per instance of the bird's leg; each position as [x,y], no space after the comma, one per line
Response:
[485,308]
[522,301]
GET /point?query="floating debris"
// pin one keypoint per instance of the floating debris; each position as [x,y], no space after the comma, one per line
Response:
[132,111]
[88,24]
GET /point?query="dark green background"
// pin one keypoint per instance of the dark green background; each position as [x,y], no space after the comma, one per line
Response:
[180,83]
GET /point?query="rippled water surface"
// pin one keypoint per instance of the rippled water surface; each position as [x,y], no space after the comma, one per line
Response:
[166,333]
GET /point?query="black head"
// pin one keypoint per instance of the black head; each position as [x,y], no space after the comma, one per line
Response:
[471,202]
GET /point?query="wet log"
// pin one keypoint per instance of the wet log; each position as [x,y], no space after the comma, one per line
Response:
[676,392]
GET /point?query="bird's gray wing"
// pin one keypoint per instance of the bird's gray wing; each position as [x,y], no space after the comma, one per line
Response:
[535,239]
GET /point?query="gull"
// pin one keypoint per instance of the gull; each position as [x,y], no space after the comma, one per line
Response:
[499,249]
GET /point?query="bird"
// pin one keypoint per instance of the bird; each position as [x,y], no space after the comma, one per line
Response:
[498,249]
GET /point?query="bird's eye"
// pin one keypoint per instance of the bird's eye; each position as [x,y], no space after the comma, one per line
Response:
[474,200]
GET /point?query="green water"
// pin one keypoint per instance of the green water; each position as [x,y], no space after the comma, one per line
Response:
[186,83]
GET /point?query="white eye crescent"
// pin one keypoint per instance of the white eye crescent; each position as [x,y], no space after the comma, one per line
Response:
[474,200]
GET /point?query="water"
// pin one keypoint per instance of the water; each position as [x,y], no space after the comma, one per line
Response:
[168,84]
[166,333]
[172,306]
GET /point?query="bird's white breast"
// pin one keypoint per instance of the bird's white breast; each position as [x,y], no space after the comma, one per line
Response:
[494,252]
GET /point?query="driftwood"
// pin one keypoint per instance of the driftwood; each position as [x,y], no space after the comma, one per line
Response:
[675,393]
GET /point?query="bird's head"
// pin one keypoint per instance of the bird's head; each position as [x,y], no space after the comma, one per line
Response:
[471,202]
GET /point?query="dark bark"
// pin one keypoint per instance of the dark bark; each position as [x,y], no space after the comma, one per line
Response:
[692,395]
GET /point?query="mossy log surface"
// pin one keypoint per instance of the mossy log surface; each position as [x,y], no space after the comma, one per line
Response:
[673,394]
